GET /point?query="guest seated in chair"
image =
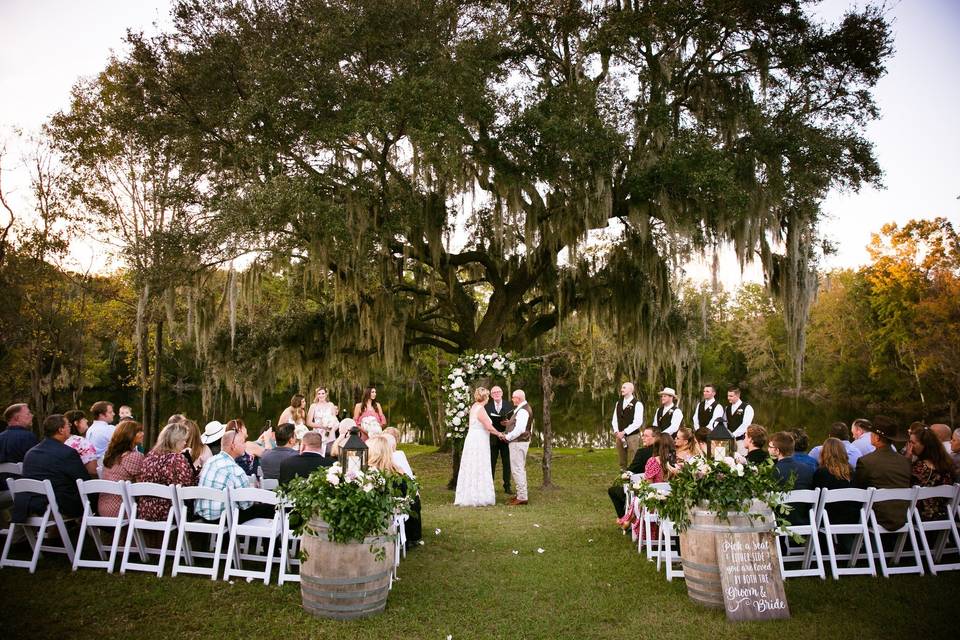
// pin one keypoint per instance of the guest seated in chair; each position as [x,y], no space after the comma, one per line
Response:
[121,462]
[755,441]
[222,472]
[639,463]
[286,447]
[788,468]
[381,449]
[932,468]
[801,443]
[165,464]
[884,468]
[52,460]
[310,459]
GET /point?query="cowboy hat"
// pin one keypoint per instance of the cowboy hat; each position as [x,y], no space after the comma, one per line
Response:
[212,432]
[667,391]
[886,428]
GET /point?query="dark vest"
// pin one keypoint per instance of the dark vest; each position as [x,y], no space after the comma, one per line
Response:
[528,432]
[735,419]
[704,415]
[663,418]
[625,416]
[497,418]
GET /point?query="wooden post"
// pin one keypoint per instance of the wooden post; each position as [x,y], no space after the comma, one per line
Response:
[546,384]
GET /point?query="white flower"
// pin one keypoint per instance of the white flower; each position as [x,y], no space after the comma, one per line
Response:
[437,532]
[368,487]
[540,550]
[333,478]
[457,421]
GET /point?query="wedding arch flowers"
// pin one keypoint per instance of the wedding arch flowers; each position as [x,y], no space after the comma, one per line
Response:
[456,389]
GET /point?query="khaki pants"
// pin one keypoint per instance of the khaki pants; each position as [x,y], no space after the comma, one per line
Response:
[518,467]
[626,454]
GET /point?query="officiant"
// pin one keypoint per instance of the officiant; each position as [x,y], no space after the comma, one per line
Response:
[499,412]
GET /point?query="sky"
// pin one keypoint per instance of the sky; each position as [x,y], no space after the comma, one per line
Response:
[48,44]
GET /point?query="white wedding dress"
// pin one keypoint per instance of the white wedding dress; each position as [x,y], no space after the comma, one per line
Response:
[475,480]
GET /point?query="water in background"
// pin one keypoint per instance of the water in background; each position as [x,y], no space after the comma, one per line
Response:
[578,419]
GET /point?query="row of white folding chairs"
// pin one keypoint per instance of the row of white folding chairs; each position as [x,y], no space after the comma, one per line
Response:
[176,523]
[868,534]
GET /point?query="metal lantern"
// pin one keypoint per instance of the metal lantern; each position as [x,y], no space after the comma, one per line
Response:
[353,454]
[720,436]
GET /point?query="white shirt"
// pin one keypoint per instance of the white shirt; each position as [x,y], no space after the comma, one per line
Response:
[675,420]
[717,412]
[400,460]
[747,418]
[521,425]
[99,435]
[863,444]
[637,423]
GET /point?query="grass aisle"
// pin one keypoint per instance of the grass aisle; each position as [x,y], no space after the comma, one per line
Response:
[467,582]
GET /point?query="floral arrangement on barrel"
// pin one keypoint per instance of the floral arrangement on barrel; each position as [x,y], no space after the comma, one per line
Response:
[355,504]
[721,483]
[724,484]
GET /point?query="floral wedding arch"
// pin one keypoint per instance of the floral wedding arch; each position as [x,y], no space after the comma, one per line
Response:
[456,389]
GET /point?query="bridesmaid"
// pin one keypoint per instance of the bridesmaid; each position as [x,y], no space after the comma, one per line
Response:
[368,407]
[295,414]
[321,405]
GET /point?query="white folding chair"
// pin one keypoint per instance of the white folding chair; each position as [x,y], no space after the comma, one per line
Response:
[138,525]
[787,552]
[668,552]
[91,523]
[51,518]
[216,530]
[269,528]
[947,528]
[860,531]
[270,484]
[648,519]
[904,533]
[289,552]
[400,527]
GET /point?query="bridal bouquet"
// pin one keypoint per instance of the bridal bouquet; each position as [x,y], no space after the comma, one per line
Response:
[723,484]
[355,504]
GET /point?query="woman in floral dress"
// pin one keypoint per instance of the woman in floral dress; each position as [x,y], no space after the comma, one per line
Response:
[165,464]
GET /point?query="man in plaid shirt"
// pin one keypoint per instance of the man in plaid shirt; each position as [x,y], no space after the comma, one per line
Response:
[222,472]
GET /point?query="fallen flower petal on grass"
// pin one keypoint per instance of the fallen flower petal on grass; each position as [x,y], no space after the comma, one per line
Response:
[437,532]
[539,550]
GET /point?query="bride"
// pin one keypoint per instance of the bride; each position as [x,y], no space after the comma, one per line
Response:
[475,480]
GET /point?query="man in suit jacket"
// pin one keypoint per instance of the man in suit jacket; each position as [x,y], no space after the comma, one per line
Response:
[309,460]
[884,468]
[643,454]
[54,461]
[499,412]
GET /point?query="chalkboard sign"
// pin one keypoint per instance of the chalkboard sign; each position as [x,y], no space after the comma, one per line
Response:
[750,576]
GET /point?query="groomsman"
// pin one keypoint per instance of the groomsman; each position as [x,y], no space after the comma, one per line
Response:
[626,422]
[499,412]
[668,417]
[708,410]
[739,415]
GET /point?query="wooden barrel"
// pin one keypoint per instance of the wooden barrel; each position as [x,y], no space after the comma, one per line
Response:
[344,581]
[698,549]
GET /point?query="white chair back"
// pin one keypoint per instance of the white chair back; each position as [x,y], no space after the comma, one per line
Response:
[260,528]
[13,468]
[51,518]
[902,535]
[939,532]
[92,523]
[138,525]
[859,530]
[791,554]
[184,555]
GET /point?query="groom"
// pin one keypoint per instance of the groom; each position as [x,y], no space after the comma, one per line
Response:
[498,411]
[519,430]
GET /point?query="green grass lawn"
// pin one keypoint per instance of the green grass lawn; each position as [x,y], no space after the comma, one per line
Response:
[467,582]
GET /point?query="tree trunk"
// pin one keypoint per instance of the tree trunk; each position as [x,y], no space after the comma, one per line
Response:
[456,448]
[155,400]
[546,383]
